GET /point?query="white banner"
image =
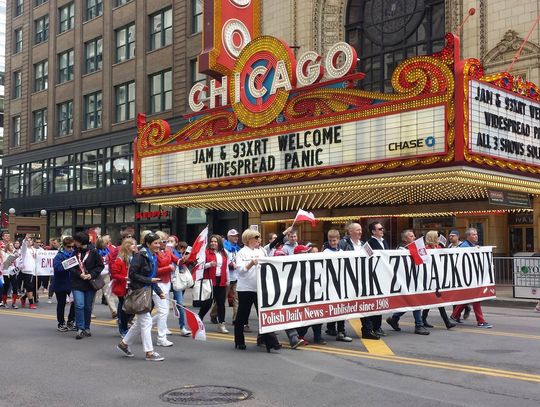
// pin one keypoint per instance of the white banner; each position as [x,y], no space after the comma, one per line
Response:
[44,262]
[394,136]
[307,289]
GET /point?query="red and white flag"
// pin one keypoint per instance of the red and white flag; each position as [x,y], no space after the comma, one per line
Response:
[418,251]
[198,254]
[307,216]
[198,332]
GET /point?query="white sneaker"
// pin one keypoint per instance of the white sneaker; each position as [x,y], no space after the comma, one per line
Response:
[222,329]
[165,343]
[49,301]
[168,332]
[185,332]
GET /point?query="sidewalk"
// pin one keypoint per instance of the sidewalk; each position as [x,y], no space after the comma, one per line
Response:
[505,299]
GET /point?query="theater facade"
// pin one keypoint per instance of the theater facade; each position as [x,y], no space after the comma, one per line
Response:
[450,147]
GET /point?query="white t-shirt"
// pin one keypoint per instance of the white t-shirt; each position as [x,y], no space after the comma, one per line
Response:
[247,278]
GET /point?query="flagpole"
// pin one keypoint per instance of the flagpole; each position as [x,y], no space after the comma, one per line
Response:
[523,44]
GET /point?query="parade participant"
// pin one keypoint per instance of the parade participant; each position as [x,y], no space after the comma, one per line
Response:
[231,247]
[291,243]
[143,273]
[54,244]
[471,235]
[119,276]
[62,285]
[179,250]
[432,242]
[454,242]
[247,260]
[166,264]
[216,269]
[332,245]
[108,253]
[90,267]
[408,237]
[28,268]
[9,272]
[271,237]
[317,328]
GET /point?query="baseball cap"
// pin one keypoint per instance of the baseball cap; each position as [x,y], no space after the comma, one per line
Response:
[233,232]
[301,249]
[279,252]
[454,232]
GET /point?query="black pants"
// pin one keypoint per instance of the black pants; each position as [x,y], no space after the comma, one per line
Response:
[245,300]
[219,294]
[60,308]
[43,281]
[331,326]
[317,331]
[373,322]
[9,281]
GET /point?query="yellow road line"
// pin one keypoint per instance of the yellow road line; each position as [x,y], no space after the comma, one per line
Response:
[377,347]
[482,331]
[457,367]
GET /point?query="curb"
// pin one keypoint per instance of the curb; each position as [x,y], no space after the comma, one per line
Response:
[510,303]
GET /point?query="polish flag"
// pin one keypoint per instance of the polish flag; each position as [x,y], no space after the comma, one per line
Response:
[418,251]
[307,216]
[198,332]
[198,254]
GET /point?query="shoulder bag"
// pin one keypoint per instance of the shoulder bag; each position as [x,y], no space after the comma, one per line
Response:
[202,291]
[181,280]
[138,301]
[96,283]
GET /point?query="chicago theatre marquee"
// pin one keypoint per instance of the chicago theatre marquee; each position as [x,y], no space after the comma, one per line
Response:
[272,133]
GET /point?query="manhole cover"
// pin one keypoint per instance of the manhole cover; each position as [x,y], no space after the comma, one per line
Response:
[205,395]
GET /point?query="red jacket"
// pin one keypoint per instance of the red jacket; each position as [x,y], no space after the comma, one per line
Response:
[119,272]
[210,272]
[164,261]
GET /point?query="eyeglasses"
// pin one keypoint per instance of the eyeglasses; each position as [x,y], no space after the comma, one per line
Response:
[257,237]
[380,228]
[164,241]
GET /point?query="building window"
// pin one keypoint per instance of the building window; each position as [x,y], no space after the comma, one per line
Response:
[14,184]
[16,131]
[385,36]
[19,7]
[91,174]
[194,74]
[65,66]
[65,118]
[121,165]
[67,17]
[94,8]
[161,91]
[161,29]
[197,16]
[63,174]
[41,76]
[17,84]
[125,43]
[92,111]
[41,30]
[40,126]
[39,2]
[125,101]
[17,40]
[118,3]
[93,51]
[37,176]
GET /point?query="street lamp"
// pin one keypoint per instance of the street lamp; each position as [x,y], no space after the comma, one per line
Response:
[11,211]
[43,212]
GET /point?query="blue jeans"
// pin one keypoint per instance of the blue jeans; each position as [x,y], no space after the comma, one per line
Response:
[417,314]
[179,298]
[83,308]
[122,317]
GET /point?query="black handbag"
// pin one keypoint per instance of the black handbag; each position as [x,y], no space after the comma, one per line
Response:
[138,301]
[98,283]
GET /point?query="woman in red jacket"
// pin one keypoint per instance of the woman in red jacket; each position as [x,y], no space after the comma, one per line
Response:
[216,269]
[166,263]
[119,275]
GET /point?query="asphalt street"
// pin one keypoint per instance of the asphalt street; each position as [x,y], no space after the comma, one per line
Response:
[466,366]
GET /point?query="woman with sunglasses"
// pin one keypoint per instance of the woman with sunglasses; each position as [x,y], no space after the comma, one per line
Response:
[62,285]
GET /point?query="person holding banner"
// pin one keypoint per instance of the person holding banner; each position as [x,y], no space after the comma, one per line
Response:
[28,263]
[432,242]
[89,268]
[62,283]
[247,261]
[143,273]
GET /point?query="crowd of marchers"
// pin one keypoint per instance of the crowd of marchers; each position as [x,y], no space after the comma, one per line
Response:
[112,273]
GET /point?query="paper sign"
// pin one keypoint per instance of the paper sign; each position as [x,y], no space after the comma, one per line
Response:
[367,248]
[69,263]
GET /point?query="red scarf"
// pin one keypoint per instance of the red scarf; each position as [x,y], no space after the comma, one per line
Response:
[211,271]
